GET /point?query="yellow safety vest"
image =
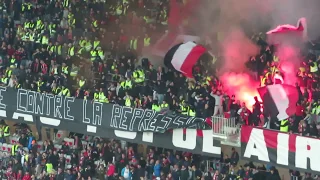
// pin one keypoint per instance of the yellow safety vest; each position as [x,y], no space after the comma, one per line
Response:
[39,85]
[156,108]
[14,149]
[49,168]
[71,51]
[164,105]
[6,131]
[65,70]
[128,102]
[314,68]
[286,128]
[45,40]
[96,44]
[128,84]
[96,96]
[192,113]
[81,83]
[93,55]
[66,92]
[134,44]
[146,42]
[4,80]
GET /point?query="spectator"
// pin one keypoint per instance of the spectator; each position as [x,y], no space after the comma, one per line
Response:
[234,157]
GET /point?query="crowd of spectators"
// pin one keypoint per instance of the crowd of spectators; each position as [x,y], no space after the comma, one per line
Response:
[90,50]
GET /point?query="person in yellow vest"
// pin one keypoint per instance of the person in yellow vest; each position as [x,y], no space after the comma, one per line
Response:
[58,49]
[65,69]
[164,106]
[100,53]
[74,71]
[128,100]
[65,91]
[95,23]
[155,106]
[6,132]
[192,112]
[88,44]
[4,80]
[184,108]
[16,84]
[81,82]
[284,125]
[102,97]
[133,43]
[146,40]
[44,40]
[128,84]
[313,66]
[263,81]
[96,43]
[49,167]
[82,42]
[40,84]
[70,50]
[135,76]
[163,17]
[14,149]
[96,95]
[93,55]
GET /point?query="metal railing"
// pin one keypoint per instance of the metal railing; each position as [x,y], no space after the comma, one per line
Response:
[226,129]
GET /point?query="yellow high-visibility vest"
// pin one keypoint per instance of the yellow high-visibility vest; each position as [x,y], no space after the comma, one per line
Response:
[286,128]
[71,51]
[134,44]
[314,68]
[45,40]
[146,42]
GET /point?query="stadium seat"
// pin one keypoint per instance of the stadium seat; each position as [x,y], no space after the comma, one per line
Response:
[9,146]
[14,139]
[40,144]
[68,159]
[57,147]
[59,134]
[69,141]
[4,147]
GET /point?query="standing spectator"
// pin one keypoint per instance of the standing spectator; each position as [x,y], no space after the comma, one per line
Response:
[234,157]
[126,173]
[157,169]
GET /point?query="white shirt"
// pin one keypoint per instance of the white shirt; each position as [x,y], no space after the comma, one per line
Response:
[217,98]
[126,173]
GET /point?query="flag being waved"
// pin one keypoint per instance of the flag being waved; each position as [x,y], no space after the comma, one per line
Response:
[287,32]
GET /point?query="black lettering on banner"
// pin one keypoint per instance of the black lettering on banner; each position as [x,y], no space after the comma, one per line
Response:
[143,124]
[179,120]
[126,113]
[21,104]
[58,107]
[31,102]
[67,109]
[39,103]
[2,89]
[97,113]
[151,124]
[137,115]
[115,116]
[49,97]
[190,120]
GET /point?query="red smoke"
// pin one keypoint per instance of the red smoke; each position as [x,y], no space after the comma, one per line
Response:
[242,86]
[237,50]
[289,62]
